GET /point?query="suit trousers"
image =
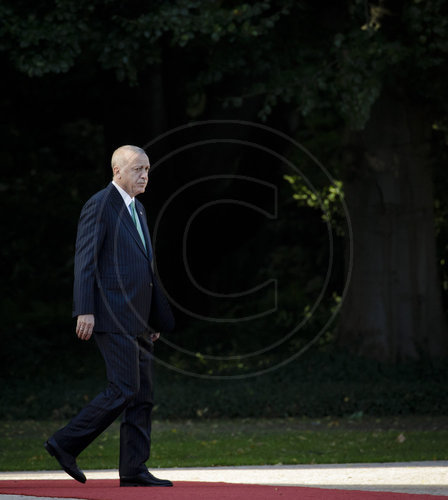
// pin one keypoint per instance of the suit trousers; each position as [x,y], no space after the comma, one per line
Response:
[129,369]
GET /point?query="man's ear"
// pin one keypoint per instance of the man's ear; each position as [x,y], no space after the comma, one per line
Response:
[116,171]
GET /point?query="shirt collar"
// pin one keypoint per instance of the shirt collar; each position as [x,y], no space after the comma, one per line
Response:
[126,198]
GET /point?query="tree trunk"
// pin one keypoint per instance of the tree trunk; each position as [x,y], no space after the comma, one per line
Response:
[393,308]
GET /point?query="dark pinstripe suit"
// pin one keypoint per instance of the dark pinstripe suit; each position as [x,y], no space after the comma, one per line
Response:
[114,280]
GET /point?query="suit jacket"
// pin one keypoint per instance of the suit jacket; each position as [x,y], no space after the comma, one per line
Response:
[114,277]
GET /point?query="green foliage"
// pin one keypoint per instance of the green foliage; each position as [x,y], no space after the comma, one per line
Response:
[279,51]
[122,37]
[39,231]
[44,40]
[314,385]
[325,62]
[327,200]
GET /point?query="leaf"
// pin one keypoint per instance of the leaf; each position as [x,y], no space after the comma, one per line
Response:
[401,438]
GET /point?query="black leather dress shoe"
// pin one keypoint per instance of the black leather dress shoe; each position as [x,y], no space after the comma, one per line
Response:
[66,461]
[144,479]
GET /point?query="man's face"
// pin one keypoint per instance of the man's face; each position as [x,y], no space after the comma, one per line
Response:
[133,177]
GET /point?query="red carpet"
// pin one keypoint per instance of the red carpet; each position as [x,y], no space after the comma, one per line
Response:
[108,489]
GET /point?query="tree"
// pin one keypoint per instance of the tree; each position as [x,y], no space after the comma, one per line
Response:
[393,309]
[383,77]
[374,70]
[378,66]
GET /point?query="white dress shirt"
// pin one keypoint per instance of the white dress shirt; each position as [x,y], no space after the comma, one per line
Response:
[126,198]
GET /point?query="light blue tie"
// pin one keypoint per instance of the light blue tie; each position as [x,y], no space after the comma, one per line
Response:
[139,227]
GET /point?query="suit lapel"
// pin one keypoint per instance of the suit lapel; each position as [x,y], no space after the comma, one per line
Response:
[125,218]
[145,229]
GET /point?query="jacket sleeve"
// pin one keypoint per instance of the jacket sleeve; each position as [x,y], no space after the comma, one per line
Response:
[89,240]
[161,318]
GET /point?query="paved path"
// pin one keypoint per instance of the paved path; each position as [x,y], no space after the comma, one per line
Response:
[409,477]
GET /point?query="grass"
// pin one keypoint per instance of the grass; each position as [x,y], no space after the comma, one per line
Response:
[243,442]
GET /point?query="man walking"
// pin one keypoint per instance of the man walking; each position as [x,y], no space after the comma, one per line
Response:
[118,300]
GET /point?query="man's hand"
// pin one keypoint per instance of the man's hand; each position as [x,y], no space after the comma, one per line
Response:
[154,336]
[84,326]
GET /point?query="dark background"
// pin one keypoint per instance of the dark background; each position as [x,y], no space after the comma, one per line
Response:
[208,89]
